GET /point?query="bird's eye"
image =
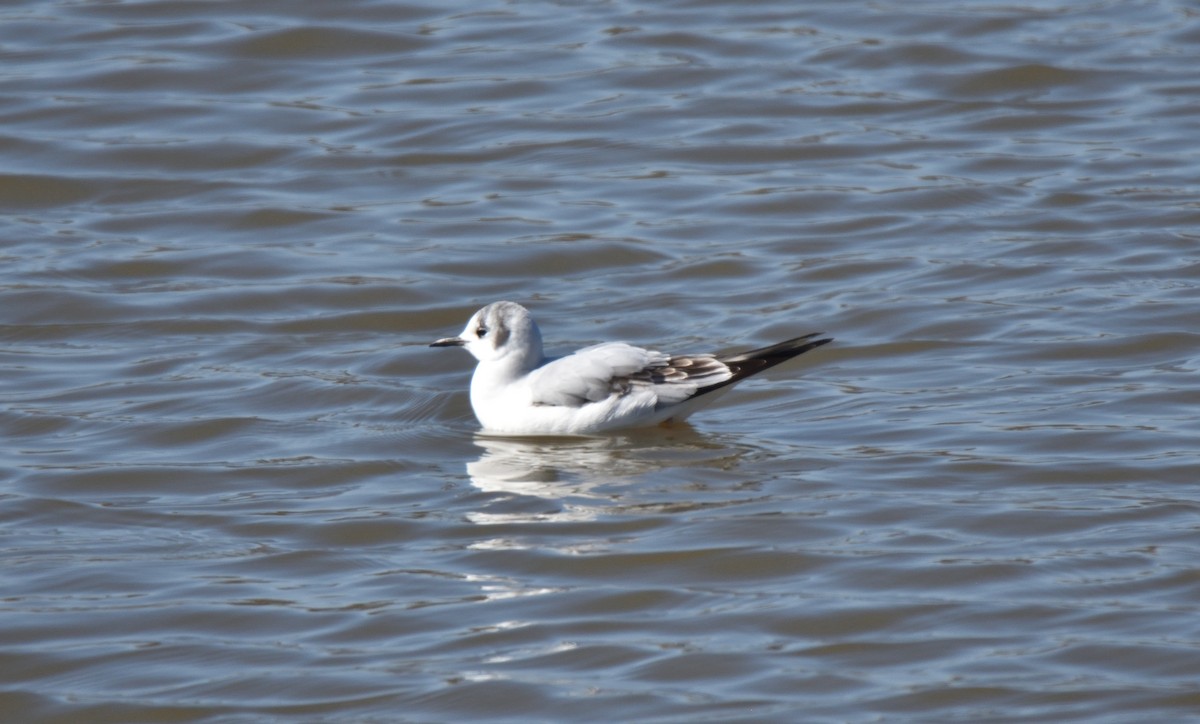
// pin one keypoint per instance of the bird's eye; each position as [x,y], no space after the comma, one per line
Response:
[481,332]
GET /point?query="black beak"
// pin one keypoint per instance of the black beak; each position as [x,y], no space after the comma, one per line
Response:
[449,342]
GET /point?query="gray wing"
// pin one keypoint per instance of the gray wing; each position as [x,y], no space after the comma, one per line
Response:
[615,368]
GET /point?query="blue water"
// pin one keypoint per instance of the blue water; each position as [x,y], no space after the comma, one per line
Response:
[238,486]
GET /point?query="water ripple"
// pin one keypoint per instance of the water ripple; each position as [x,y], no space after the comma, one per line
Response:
[238,485]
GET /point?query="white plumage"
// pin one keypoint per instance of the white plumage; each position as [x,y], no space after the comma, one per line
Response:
[516,390]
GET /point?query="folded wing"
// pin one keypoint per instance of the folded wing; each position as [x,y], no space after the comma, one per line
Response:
[617,369]
[596,373]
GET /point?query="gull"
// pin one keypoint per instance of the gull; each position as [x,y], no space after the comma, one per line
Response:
[517,390]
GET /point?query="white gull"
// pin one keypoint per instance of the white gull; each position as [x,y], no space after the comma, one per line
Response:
[517,390]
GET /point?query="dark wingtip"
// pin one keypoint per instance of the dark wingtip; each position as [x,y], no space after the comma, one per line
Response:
[781,351]
[756,360]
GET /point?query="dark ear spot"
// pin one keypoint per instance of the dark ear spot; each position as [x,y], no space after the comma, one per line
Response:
[499,336]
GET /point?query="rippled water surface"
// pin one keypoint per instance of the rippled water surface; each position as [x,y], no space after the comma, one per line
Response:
[237,486]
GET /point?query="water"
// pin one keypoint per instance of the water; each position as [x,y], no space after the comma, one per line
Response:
[237,486]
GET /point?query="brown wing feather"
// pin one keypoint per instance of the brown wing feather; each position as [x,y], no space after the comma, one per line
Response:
[744,364]
[680,368]
[676,369]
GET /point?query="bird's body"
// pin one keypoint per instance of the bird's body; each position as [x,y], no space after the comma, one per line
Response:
[516,390]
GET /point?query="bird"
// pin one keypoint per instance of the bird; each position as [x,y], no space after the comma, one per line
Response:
[517,391]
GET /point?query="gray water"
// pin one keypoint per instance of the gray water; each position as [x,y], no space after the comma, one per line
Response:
[238,487]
